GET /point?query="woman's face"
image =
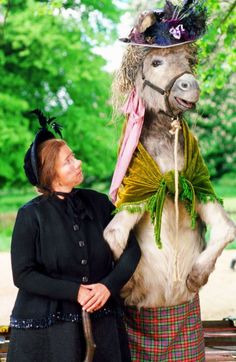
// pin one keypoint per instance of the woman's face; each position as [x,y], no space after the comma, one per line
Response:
[68,170]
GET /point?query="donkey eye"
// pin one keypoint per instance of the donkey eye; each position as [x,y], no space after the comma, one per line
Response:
[156,63]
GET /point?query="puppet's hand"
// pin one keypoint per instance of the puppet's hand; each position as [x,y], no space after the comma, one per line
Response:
[200,272]
[117,232]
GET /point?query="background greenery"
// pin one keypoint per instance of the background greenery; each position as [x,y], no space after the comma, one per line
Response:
[48,60]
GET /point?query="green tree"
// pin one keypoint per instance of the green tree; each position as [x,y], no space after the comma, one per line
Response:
[47,61]
[216,118]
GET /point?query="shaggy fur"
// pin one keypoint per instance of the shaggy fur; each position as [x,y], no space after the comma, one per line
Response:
[154,284]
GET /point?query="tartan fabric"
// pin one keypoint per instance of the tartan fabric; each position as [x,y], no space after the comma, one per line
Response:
[166,334]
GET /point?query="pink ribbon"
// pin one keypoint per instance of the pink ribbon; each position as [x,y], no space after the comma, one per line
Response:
[135,108]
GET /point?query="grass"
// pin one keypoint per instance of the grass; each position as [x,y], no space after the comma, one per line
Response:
[10,201]
[226,188]
[230,206]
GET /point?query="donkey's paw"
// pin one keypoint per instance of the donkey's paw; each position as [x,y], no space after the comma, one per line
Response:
[116,237]
[196,279]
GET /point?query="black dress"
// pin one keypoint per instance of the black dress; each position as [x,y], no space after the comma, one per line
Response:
[57,245]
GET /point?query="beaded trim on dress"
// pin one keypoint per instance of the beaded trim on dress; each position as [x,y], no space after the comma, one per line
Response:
[52,318]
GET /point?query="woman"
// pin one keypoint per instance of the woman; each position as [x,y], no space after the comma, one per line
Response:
[61,263]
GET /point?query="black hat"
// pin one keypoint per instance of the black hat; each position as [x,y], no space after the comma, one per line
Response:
[172,26]
[31,156]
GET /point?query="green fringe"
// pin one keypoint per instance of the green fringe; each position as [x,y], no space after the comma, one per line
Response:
[204,198]
[154,204]
[186,189]
[138,206]
[155,207]
[188,196]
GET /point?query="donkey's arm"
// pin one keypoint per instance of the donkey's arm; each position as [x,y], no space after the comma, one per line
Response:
[117,231]
[223,231]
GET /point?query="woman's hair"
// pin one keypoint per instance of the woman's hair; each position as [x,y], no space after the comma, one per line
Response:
[47,156]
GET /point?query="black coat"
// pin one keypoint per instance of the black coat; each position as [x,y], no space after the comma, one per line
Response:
[55,249]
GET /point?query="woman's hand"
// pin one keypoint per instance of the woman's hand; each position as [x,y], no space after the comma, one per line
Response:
[96,297]
[83,293]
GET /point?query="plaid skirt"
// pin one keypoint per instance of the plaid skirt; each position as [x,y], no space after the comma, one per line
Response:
[166,334]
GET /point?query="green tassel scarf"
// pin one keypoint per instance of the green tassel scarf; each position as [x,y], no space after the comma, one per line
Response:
[144,187]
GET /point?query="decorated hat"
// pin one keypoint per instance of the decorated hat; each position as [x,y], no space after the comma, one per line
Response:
[179,23]
[31,156]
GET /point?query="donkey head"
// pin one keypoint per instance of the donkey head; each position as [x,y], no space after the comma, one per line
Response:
[165,80]
[160,58]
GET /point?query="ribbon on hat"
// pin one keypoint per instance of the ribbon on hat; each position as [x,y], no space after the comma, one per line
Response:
[177,31]
[134,107]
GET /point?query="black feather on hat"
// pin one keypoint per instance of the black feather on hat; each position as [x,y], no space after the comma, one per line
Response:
[172,26]
[31,156]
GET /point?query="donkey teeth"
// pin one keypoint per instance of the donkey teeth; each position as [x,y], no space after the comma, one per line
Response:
[184,103]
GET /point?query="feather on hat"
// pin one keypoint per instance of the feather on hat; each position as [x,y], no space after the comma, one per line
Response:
[172,26]
[31,156]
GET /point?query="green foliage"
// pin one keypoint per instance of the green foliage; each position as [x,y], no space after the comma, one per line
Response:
[215,123]
[226,187]
[218,52]
[47,61]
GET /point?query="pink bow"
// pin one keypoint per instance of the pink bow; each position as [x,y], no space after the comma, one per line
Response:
[135,108]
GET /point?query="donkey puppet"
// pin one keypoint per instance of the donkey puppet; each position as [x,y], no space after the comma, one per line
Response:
[161,184]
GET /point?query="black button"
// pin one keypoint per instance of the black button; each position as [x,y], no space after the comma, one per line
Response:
[81,243]
[84,279]
[76,227]
[84,261]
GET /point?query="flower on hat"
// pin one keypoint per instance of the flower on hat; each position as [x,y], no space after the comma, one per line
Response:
[179,22]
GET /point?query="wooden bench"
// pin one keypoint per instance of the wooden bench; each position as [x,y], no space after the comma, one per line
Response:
[220,340]
[4,342]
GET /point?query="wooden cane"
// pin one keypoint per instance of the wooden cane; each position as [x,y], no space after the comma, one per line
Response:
[90,344]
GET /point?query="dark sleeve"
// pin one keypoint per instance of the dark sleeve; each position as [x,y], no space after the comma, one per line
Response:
[26,273]
[109,207]
[124,267]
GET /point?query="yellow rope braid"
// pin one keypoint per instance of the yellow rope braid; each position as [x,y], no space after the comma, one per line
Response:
[175,128]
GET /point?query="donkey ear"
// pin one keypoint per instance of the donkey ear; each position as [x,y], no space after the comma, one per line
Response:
[146,19]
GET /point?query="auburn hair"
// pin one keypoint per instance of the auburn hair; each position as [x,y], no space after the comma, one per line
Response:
[47,156]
